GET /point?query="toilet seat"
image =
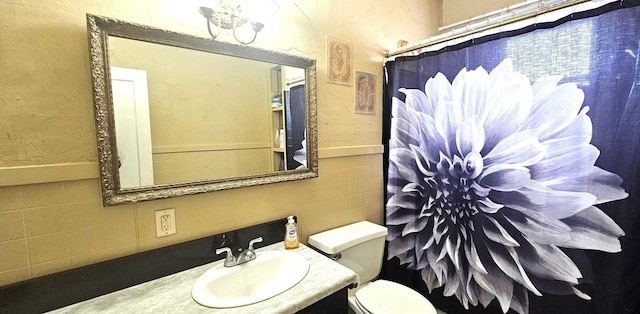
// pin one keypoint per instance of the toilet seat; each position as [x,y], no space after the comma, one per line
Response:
[383,296]
[360,309]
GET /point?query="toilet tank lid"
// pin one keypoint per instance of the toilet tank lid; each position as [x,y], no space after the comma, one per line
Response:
[336,240]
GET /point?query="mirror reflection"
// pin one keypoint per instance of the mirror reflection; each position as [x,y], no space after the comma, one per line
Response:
[179,115]
[185,115]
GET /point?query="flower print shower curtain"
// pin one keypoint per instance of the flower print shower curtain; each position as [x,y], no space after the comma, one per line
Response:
[513,171]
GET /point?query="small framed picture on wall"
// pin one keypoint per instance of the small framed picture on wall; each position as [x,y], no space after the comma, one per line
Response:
[365,93]
[339,61]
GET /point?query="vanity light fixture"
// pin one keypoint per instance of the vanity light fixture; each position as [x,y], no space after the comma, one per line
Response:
[230,15]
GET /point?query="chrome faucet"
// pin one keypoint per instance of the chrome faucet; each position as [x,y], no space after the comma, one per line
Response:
[243,256]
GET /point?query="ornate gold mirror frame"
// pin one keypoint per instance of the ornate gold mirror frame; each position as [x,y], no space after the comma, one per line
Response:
[99,31]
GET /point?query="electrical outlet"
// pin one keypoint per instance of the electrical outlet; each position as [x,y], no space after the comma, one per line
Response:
[165,222]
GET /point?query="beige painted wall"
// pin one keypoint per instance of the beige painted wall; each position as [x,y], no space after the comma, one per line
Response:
[195,98]
[207,164]
[50,205]
[458,10]
[209,113]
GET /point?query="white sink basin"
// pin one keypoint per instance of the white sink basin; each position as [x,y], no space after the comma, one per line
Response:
[271,273]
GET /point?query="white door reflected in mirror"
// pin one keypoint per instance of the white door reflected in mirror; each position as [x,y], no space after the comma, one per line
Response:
[133,129]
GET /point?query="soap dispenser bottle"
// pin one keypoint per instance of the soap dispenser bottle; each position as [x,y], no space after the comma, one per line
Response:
[291,234]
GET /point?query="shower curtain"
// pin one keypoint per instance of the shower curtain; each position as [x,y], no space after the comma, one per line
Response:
[296,124]
[513,168]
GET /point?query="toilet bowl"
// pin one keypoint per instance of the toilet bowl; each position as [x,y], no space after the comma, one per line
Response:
[383,296]
[360,247]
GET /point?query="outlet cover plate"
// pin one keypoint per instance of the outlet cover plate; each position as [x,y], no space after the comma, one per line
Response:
[165,222]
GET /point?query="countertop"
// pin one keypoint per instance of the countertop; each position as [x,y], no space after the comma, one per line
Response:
[172,294]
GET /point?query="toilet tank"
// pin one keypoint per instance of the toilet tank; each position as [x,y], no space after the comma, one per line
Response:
[361,246]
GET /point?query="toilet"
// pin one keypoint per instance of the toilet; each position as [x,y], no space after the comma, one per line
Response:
[360,247]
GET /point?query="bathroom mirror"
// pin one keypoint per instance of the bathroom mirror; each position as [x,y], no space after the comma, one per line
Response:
[178,114]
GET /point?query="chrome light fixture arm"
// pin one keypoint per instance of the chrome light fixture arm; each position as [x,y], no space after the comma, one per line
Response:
[256,28]
[210,32]
[227,17]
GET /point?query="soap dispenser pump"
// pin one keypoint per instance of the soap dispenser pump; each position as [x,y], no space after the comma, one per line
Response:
[291,234]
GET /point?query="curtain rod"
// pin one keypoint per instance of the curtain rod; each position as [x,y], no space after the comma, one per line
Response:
[453,34]
[296,81]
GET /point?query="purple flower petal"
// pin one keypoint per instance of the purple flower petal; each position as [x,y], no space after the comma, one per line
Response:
[496,233]
[522,148]
[545,201]
[470,89]
[601,183]
[508,105]
[555,109]
[592,229]
[565,163]
[469,136]
[505,177]
[417,101]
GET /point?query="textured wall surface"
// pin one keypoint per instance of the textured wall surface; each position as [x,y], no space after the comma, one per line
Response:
[458,10]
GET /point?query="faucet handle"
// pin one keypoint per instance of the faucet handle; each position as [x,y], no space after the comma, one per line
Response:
[229,259]
[256,240]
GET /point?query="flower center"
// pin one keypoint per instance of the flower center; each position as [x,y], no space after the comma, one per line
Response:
[455,198]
